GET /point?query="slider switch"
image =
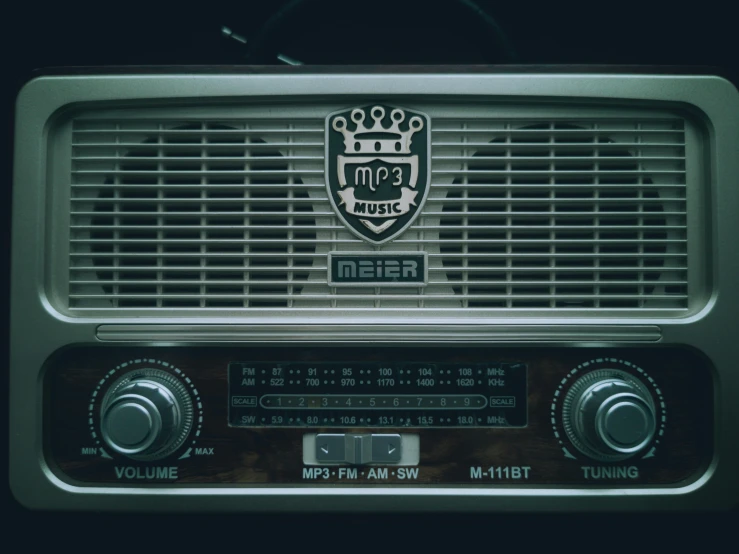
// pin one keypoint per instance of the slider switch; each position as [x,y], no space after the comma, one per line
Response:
[358,449]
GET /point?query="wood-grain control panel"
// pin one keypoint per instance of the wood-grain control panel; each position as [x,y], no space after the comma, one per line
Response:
[368,415]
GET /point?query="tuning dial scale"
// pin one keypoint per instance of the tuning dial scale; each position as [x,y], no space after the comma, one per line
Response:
[608,410]
[145,410]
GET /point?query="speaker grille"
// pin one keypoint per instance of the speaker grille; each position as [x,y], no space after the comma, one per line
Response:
[587,214]
[545,214]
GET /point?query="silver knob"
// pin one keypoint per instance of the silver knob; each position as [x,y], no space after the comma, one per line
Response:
[609,415]
[146,414]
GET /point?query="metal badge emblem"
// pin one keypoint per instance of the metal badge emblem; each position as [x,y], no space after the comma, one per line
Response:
[377,176]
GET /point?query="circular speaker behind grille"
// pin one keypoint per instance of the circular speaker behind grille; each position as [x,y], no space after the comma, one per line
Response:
[540,280]
[184,240]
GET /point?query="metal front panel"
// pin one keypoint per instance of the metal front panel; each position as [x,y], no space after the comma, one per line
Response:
[580,211]
[40,325]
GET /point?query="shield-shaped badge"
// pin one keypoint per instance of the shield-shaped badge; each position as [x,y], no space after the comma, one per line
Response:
[377,175]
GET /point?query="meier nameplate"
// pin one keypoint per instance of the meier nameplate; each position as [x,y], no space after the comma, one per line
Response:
[387,269]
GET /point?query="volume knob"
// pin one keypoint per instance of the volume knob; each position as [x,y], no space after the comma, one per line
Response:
[609,415]
[146,414]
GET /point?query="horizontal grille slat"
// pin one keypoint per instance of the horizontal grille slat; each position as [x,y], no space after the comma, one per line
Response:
[560,173]
[196,269]
[559,159]
[427,213]
[322,186]
[556,132]
[514,146]
[207,160]
[553,201]
[370,295]
[520,228]
[398,241]
[218,282]
[478,269]
[198,173]
[310,255]
[202,132]
[191,214]
[164,147]
[468,201]
[574,214]
[278,200]
[176,187]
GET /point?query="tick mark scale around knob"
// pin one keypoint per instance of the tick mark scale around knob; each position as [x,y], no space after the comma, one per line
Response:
[609,415]
[146,414]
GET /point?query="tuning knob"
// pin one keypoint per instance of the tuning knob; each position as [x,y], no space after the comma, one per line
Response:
[146,414]
[609,415]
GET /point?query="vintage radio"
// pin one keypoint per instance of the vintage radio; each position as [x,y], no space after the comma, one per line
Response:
[296,289]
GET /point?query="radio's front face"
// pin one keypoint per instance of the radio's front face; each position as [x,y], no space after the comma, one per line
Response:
[297,292]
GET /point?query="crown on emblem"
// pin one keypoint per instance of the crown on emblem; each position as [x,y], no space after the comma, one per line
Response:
[400,143]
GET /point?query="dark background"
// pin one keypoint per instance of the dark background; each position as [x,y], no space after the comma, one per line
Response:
[37,35]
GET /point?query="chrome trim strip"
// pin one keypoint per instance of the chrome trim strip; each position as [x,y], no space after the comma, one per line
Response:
[386,333]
